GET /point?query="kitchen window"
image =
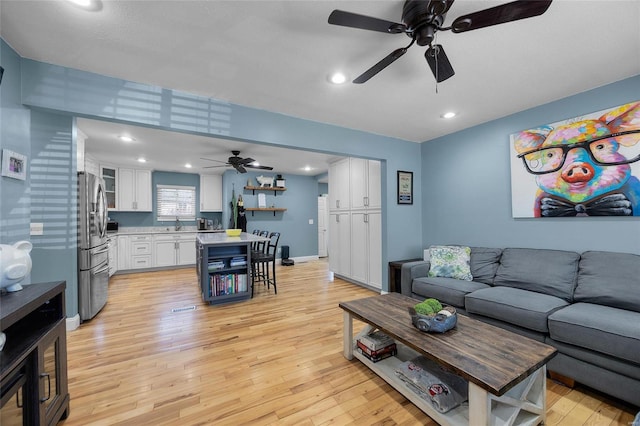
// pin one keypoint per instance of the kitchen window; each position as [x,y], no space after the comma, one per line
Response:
[176,202]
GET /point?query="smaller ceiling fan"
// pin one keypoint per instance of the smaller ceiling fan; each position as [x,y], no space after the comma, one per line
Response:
[238,163]
[422,19]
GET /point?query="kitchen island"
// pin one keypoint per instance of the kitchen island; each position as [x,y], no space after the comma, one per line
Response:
[224,266]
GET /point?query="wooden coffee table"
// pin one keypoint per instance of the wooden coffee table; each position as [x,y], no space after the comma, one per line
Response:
[506,371]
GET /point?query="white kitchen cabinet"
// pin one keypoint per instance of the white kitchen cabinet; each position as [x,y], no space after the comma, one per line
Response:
[124,252]
[134,190]
[113,255]
[339,185]
[364,184]
[340,243]
[210,193]
[366,248]
[174,249]
[110,176]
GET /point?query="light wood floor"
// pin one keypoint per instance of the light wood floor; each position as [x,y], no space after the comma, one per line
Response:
[276,359]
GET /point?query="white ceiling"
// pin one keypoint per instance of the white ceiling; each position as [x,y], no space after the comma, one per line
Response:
[276,55]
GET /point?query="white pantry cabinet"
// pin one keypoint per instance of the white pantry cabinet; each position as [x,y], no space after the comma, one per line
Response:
[355,248]
[210,193]
[339,185]
[366,250]
[364,184]
[134,190]
[340,243]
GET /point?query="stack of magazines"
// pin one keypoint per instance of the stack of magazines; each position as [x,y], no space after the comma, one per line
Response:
[238,261]
[376,346]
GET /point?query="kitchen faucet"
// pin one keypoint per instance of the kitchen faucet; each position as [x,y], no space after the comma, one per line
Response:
[178,224]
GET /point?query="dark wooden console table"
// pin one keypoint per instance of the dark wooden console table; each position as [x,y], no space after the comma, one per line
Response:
[395,270]
[33,363]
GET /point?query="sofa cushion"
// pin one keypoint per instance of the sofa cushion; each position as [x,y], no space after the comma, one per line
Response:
[448,291]
[603,329]
[484,263]
[610,279]
[552,272]
[513,305]
[450,262]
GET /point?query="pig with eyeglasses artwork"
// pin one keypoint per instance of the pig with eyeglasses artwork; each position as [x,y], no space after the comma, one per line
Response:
[584,168]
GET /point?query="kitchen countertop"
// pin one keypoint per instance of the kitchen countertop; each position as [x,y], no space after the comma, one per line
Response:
[137,230]
[223,238]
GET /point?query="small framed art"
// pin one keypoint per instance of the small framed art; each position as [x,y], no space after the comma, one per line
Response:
[405,187]
[14,165]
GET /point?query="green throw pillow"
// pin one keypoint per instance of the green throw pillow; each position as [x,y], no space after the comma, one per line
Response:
[450,262]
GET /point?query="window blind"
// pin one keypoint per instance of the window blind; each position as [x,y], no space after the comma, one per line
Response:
[176,202]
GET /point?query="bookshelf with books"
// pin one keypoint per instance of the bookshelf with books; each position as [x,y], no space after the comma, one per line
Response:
[224,266]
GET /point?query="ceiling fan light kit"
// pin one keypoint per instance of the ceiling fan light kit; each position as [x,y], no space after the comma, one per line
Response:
[422,19]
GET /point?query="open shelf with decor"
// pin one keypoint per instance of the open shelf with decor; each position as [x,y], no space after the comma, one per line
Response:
[275,189]
[265,209]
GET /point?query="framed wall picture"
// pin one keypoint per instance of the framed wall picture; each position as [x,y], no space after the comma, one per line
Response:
[14,165]
[405,187]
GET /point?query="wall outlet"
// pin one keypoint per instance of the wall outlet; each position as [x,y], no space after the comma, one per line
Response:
[36,229]
[278,250]
[310,221]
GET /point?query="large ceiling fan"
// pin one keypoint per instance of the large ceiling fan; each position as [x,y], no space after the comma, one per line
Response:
[238,163]
[421,19]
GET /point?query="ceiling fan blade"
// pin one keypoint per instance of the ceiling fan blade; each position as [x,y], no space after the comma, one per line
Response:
[215,167]
[508,12]
[211,159]
[354,20]
[239,168]
[258,167]
[385,62]
[245,161]
[439,63]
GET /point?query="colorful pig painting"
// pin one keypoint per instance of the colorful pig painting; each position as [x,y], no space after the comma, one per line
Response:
[583,168]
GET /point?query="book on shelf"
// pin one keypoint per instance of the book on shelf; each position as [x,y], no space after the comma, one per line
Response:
[374,353]
[227,284]
[238,261]
[379,355]
[376,340]
[215,265]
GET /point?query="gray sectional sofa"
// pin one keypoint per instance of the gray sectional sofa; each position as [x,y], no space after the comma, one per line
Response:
[585,305]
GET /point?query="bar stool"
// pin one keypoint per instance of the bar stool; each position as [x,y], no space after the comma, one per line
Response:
[261,263]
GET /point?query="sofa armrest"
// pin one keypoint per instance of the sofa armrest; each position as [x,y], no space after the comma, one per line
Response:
[411,271]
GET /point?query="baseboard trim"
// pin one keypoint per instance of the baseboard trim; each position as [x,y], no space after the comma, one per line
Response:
[303,259]
[73,322]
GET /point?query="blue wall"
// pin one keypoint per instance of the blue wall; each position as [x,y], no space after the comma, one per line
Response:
[300,200]
[15,132]
[466,188]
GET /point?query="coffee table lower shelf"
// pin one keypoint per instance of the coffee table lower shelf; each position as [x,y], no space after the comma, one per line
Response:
[524,404]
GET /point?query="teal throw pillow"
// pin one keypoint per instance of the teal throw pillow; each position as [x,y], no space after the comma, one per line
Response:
[450,262]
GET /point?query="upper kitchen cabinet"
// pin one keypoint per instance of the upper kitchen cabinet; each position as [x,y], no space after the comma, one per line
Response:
[134,190]
[110,176]
[210,193]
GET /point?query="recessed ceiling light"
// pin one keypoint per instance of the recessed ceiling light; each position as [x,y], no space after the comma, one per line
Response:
[255,164]
[141,160]
[188,166]
[92,5]
[449,114]
[81,3]
[307,168]
[338,78]
[125,138]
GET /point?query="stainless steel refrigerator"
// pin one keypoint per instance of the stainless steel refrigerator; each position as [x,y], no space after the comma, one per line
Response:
[93,249]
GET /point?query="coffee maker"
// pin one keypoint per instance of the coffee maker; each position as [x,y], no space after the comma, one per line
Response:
[202,224]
